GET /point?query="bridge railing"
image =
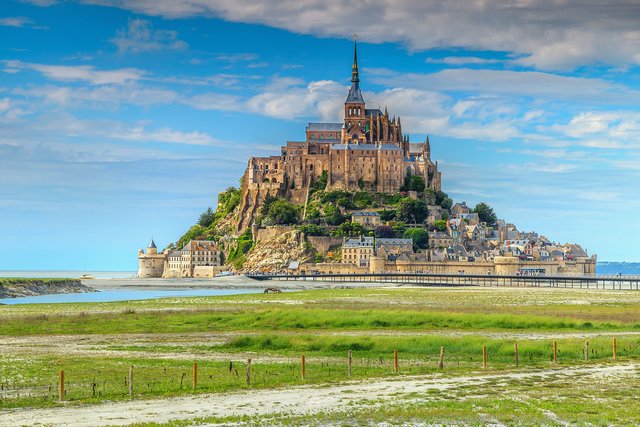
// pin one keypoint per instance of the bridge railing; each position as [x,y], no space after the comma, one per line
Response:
[430,279]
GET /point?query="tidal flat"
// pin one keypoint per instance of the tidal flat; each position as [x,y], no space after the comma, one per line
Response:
[97,343]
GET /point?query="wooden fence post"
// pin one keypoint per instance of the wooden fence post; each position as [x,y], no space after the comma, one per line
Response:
[195,374]
[395,361]
[131,381]
[484,357]
[350,358]
[614,349]
[61,391]
[248,371]
[586,351]
[555,351]
[517,354]
[302,367]
[441,364]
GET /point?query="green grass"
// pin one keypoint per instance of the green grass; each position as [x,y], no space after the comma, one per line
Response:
[275,329]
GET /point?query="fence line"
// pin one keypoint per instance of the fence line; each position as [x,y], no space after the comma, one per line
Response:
[70,389]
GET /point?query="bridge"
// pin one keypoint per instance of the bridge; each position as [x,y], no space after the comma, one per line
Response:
[628,283]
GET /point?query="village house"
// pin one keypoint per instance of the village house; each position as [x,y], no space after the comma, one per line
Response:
[368,219]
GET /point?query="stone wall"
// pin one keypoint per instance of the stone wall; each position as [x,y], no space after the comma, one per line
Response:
[323,243]
[503,266]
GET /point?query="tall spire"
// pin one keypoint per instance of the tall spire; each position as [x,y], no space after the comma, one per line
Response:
[354,68]
[355,95]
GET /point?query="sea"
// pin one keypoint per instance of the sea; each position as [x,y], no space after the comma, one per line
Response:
[107,295]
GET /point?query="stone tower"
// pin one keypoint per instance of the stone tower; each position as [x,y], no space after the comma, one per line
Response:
[151,264]
[354,110]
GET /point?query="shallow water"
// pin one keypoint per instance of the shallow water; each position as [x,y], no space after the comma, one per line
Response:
[108,295]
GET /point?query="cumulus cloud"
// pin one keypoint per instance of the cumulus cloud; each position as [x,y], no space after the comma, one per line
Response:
[139,36]
[20,22]
[546,34]
[78,73]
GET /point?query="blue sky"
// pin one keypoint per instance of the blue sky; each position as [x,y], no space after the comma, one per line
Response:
[121,120]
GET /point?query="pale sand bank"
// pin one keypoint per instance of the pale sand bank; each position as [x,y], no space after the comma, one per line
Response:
[232,282]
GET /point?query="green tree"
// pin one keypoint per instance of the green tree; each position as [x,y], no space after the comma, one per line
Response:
[313,230]
[412,211]
[387,215]
[361,183]
[441,225]
[486,214]
[349,229]
[282,211]
[320,184]
[332,215]
[416,183]
[443,200]
[206,218]
[419,236]
[384,231]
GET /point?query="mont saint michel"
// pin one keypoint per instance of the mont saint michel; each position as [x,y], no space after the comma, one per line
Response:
[355,197]
[319,213]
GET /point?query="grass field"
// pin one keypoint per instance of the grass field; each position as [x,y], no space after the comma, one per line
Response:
[95,344]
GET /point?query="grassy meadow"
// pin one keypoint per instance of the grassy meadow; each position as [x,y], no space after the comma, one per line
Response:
[95,344]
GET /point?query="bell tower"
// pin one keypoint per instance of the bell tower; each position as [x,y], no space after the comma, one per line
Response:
[354,114]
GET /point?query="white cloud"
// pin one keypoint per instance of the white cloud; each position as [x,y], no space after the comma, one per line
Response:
[533,84]
[20,22]
[547,34]
[139,36]
[79,73]
[462,60]
[103,95]
[237,57]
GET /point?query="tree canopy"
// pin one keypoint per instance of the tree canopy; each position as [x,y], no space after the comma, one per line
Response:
[412,211]
[486,213]
[419,236]
[283,212]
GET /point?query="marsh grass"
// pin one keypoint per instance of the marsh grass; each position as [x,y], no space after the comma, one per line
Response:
[324,325]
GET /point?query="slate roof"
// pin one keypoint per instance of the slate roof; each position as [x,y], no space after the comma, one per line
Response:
[365,147]
[152,245]
[325,126]
[365,214]
[355,96]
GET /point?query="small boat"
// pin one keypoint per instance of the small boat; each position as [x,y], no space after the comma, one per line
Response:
[224,274]
[86,277]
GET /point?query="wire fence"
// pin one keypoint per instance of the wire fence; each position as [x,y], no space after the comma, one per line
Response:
[146,379]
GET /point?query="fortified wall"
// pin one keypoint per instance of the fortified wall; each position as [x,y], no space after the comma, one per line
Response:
[501,266]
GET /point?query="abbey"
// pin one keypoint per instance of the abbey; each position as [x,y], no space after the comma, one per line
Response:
[366,152]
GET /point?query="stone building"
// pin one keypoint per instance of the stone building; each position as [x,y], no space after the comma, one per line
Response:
[369,219]
[198,258]
[151,263]
[367,151]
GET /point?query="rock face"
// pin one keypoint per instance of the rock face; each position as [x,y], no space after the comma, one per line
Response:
[13,288]
[275,252]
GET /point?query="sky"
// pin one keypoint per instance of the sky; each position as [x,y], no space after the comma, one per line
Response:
[121,120]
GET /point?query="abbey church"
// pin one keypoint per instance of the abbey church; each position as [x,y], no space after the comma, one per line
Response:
[367,152]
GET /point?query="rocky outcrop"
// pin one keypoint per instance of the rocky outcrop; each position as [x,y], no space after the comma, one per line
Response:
[275,252]
[13,288]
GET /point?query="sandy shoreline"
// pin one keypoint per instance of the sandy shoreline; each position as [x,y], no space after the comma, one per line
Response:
[233,282]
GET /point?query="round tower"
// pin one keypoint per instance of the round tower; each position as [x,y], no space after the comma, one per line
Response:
[150,264]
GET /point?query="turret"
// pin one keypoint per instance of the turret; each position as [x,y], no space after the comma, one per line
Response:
[152,249]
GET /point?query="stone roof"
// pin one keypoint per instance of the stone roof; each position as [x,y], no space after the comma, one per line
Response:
[356,242]
[365,213]
[325,126]
[355,95]
[390,147]
[393,242]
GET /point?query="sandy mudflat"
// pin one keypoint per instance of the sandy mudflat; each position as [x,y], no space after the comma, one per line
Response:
[295,400]
[233,282]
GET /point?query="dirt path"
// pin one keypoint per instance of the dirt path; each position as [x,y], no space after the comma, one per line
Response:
[296,400]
